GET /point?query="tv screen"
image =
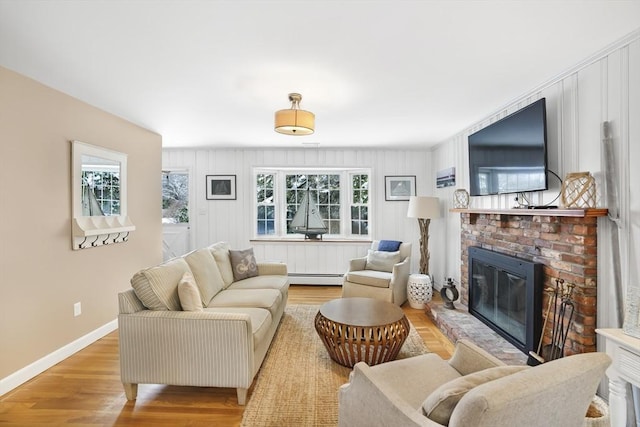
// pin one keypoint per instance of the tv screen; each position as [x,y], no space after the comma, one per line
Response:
[510,155]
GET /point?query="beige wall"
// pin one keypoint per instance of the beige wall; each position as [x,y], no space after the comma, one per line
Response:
[40,276]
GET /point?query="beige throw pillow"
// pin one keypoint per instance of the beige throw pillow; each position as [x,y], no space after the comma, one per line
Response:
[442,401]
[243,264]
[381,260]
[189,294]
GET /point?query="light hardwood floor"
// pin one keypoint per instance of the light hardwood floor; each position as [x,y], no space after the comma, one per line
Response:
[85,389]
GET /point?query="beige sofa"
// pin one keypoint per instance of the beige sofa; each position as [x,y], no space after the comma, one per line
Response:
[221,344]
[473,388]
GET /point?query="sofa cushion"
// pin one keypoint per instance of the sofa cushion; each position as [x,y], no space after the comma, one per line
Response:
[220,253]
[243,264]
[389,245]
[280,283]
[206,273]
[379,279]
[271,299]
[441,403]
[157,287]
[261,320]
[382,261]
[189,295]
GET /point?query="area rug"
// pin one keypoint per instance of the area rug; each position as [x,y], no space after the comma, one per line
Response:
[298,382]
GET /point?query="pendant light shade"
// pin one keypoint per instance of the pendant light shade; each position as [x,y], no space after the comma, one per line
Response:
[295,121]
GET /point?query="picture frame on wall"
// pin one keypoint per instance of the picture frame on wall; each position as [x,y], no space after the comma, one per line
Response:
[399,187]
[446,177]
[221,187]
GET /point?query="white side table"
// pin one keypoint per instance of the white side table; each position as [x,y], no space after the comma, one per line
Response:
[624,351]
[419,290]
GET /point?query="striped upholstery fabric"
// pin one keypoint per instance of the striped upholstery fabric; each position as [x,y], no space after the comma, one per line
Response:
[221,346]
[157,287]
[129,303]
[272,268]
[271,299]
[206,272]
[220,252]
[184,348]
[278,282]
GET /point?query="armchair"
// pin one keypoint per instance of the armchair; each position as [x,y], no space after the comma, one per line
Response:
[422,390]
[379,278]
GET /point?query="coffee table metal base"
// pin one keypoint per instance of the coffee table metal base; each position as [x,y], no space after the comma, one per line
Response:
[348,345]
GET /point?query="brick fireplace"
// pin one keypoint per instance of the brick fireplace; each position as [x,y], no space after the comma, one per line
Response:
[563,240]
[565,245]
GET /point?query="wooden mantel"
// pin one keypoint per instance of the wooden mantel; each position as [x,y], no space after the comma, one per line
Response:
[580,213]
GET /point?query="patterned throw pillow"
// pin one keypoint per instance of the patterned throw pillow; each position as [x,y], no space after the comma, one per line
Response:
[243,264]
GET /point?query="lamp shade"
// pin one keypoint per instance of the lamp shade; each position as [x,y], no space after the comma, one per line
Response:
[295,121]
[423,207]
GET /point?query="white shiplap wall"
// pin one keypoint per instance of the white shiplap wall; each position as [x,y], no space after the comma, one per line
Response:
[232,221]
[605,87]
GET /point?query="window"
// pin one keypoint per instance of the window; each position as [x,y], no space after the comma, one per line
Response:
[341,196]
[266,203]
[175,197]
[360,204]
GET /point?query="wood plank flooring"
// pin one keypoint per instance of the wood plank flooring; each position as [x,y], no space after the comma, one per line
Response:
[85,389]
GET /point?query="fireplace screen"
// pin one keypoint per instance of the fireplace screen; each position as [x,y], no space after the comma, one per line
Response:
[504,293]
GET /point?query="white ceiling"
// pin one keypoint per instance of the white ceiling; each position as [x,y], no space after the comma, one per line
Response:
[375,73]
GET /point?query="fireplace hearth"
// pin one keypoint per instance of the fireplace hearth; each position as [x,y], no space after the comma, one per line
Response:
[505,293]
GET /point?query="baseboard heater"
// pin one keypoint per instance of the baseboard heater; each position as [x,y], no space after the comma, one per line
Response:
[315,279]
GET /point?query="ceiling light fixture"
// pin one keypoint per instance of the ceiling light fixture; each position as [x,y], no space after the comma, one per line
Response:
[295,121]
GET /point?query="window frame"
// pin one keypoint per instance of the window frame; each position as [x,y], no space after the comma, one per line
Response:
[279,195]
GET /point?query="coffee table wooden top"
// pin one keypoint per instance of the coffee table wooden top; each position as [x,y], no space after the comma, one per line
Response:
[361,311]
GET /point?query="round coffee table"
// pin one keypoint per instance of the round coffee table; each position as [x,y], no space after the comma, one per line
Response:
[361,330]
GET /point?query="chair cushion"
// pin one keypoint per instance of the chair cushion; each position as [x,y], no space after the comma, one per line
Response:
[243,264]
[382,261]
[440,404]
[190,298]
[389,245]
[206,273]
[157,287]
[379,279]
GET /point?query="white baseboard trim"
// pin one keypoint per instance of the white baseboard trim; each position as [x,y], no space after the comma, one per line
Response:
[25,374]
[315,279]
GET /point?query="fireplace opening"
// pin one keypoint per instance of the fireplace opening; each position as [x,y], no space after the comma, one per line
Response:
[505,293]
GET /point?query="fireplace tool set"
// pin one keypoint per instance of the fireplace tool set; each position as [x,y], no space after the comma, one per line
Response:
[562,320]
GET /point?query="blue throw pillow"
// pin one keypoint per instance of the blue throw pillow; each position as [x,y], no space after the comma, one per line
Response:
[389,245]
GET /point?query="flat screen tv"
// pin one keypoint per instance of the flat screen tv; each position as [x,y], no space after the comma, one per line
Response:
[510,155]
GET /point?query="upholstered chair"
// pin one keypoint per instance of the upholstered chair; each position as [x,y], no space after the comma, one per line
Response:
[381,274]
[473,388]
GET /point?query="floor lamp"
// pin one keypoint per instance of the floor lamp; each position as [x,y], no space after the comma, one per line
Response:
[425,209]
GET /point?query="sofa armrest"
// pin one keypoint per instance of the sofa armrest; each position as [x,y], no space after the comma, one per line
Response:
[468,358]
[198,348]
[128,302]
[357,264]
[366,402]
[272,268]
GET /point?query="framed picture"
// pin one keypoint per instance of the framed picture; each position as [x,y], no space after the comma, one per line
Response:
[399,187]
[446,177]
[221,187]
